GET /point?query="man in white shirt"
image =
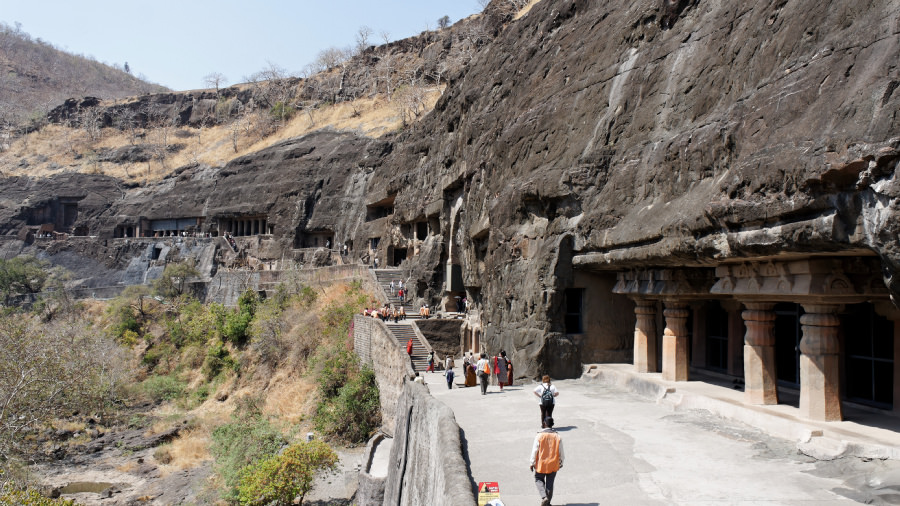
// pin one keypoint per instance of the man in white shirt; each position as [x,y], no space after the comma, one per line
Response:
[546,459]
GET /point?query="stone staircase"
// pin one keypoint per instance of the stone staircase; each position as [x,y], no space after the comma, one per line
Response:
[403,332]
[384,278]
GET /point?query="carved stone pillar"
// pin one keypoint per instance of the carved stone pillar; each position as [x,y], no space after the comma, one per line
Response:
[675,342]
[819,363]
[759,354]
[645,353]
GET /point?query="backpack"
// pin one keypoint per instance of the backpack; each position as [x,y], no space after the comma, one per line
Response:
[487,367]
[546,398]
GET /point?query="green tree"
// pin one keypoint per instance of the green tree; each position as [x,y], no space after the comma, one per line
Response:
[237,323]
[22,275]
[174,279]
[280,479]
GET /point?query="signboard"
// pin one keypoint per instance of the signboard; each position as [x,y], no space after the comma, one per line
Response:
[488,491]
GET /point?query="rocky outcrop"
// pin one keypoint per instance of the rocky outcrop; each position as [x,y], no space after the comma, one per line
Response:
[622,135]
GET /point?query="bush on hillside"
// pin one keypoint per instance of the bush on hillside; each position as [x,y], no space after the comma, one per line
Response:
[280,479]
[237,323]
[163,388]
[352,415]
[12,496]
[218,359]
[249,438]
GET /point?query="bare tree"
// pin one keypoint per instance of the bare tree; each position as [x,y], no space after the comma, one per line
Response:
[236,125]
[362,38]
[411,94]
[331,57]
[273,87]
[50,369]
[91,120]
[385,36]
[215,80]
[385,71]
[125,119]
[443,22]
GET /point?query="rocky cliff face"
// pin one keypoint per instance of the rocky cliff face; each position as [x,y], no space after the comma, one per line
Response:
[653,133]
[601,136]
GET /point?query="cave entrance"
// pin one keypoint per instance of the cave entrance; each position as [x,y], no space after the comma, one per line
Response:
[397,256]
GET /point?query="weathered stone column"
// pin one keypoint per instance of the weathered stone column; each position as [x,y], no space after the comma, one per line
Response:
[819,363]
[760,380]
[675,342]
[645,353]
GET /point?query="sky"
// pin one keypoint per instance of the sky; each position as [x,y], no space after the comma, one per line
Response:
[177,43]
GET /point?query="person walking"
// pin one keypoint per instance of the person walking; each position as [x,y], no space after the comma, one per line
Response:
[469,371]
[483,367]
[509,372]
[546,459]
[430,361]
[448,371]
[546,394]
[392,287]
[501,368]
[409,347]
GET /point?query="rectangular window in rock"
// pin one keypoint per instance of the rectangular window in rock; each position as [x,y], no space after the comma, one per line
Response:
[574,310]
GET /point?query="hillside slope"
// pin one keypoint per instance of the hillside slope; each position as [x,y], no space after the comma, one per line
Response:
[35,76]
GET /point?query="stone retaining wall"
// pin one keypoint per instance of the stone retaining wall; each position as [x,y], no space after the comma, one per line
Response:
[226,286]
[426,464]
[373,343]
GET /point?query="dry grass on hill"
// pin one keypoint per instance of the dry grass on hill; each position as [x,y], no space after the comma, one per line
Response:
[527,8]
[57,148]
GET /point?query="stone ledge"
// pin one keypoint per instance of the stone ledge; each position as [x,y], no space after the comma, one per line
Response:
[821,440]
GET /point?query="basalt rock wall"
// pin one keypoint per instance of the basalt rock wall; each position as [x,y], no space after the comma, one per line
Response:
[654,133]
[597,136]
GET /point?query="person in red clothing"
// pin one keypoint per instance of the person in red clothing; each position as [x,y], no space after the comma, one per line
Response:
[500,368]
[409,347]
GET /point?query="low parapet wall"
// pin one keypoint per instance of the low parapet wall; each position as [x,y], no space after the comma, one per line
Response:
[227,285]
[373,343]
[426,463]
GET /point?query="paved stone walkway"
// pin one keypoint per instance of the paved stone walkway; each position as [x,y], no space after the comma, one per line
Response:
[624,449]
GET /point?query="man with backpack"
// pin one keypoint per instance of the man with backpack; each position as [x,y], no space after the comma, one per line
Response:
[546,394]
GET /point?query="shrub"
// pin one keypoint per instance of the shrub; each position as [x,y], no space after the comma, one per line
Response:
[237,323]
[278,480]
[267,330]
[308,296]
[335,371]
[281,111]
[28,497]
[159,357]
[247,439]
[217,360]
[354,414]
[163,388]
[196,323]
